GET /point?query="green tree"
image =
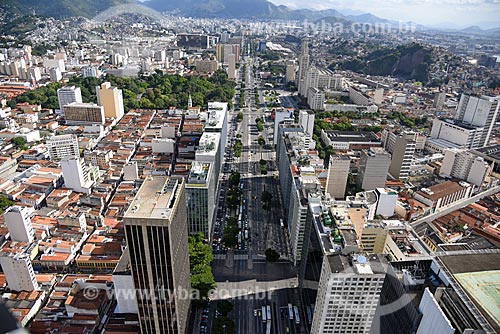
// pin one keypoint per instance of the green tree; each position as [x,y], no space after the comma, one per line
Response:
[234,179]
[223,325]
[266,196]
[200,256]
[272,255]
[224,307]
[240,116]
[19,143]
[5,203]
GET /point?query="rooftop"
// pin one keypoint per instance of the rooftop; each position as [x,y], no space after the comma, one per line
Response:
[442,189]
[358,264]
[358,136]
[198,174]
[154,199]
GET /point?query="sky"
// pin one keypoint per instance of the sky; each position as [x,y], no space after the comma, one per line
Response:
[438,13]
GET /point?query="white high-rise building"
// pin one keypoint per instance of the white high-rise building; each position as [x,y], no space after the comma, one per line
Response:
[63,146]
[402,146]
[67,95]
[458,133]
[77,175]
[348,293]
[306,119]
[463,164]
[18,221]
[338,172]
[316,99]
[311,80]
[18,271]
[481,112]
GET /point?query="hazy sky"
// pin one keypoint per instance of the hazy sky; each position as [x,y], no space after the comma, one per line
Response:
[429,12]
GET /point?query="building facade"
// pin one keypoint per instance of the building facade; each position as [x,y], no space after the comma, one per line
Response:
[157,240]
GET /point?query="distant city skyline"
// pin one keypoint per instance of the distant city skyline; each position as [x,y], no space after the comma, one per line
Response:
[447,13]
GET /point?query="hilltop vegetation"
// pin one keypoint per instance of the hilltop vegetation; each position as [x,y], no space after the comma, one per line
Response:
[409,61]
[60,8]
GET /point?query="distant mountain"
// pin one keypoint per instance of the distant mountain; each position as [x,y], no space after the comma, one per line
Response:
[485,32]
[58,8]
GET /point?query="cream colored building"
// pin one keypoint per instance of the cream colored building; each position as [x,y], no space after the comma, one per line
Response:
[111,99]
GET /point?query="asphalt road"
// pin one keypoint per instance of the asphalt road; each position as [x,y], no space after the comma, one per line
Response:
[264,229]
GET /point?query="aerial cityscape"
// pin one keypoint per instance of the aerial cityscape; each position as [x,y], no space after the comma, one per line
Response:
[249,167]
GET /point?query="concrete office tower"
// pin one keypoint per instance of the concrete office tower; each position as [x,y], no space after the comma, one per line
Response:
[402,147]
[111,99]
[231,66]
[348,293]
[481,112]
[200,198]
[280,116]
[316,99]
[463,164]
[338,171]
[77,175]
[303,65]
[18,221]
[311,80]
[306,119]
[18,271]
[373,168]
[439,99]
[290,71]
[459,133]
[83,113]
[67,95]
[157,240]
[63,146]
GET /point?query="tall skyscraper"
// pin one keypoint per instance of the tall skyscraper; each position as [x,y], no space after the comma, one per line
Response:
[348,293]
[373,168]
[63,146]
[481,112]
[303,63]
[290,71]
[231,66]
[157,239]
[338,172]
[402,147]
[18,221]
[306,119]
[111,99]
[67,95]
